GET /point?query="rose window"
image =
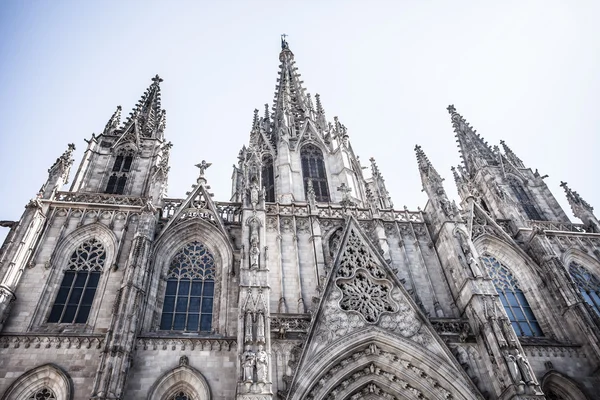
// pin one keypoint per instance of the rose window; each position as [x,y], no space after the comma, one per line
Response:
[370,298]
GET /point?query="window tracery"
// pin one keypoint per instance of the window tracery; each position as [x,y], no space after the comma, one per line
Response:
[588,285]
[512,297]
[313,169]
[189,295]
[268,178]
[180,396]
[42,394]
[77,290]
[120,171]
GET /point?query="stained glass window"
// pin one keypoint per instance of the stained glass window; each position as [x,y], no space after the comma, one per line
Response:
[42,394]
[78,287]
[513,299]
[188,304]
[588,285]
[180,396]
[268,178]
[313,168]
[525,200]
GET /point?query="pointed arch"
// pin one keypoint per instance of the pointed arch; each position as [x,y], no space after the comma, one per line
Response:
[268,177]
[523,197]
[60,264]
[47,376]
[182,379]
[373,357]
[171,242]
[558,386]
[584,272]
[313,169]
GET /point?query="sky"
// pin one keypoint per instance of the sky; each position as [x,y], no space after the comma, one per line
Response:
[522,71]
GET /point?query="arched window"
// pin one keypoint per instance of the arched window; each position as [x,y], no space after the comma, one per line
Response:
[268,178]
[180,396]
[121,184]
[76,293]
[515,304]
[116,185]
[588,285]
[112,184]
[188,304]
[313,168]
[42,394]
[525,200]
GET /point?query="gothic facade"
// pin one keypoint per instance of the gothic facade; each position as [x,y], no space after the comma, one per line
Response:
[306,284]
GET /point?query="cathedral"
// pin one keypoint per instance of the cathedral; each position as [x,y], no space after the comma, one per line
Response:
[307,284]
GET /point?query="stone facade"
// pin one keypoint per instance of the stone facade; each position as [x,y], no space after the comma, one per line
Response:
[307,284]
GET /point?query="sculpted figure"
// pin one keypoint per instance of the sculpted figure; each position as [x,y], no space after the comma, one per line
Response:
[511,362]
[254,253]
[525,368]
[474,267]
[262,364]
[248,361]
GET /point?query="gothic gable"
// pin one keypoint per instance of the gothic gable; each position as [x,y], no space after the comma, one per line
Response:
[363,300]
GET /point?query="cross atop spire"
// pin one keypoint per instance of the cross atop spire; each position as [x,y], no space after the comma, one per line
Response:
[284,43]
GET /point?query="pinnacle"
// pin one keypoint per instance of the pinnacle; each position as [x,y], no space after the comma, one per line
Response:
[255,119]
[422,160]
[574,198]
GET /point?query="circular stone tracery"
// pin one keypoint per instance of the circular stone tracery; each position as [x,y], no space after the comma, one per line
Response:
[366,296]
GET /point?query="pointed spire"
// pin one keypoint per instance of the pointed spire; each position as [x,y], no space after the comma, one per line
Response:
[575,200]
[290,105]
[475,152]
[511,156]
[255,120]
[429,175]
[114,122]
[63,162]
[148,114]
[380,191]
[320,109]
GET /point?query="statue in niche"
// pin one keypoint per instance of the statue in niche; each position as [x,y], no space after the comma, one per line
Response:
[260,328]
[254,253]
[248,362]
[525,369]
[475,270]
[262,364]
[254,192]
[509,332]
[248,328]
[511,362]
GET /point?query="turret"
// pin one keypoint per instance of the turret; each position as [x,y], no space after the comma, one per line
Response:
[128,158]
[581,209]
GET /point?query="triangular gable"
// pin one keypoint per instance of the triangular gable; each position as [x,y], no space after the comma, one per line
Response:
[130,135]
[479,223]
[362,292]
[309,132]
[199,204]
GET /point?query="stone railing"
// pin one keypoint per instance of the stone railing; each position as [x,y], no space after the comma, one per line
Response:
[229,212]
[453,329]
[338,211]
[557,226]
[100,198]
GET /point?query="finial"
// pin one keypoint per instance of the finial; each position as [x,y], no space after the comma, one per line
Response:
[374,167]
[346,199]
[284,43]
[319,105]
[255,119]
[157,79]
[202,167]
[451,109]
[266,112]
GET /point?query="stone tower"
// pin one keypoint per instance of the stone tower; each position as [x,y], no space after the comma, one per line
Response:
[307,284]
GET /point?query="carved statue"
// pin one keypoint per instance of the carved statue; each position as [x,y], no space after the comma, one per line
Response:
[511,362]
[248,328]
[262,364]
[254,193]
[474,267]
[509,332]
[254,253]
[525,368]
[260,329]
[248,362]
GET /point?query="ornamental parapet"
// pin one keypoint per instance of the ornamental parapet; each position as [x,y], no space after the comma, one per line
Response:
[27,341]
[556,226]
[99,198]
[149,343]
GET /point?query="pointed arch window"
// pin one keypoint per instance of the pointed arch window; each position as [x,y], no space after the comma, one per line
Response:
[588,285]
[43,394]
[313,169]
[188,303]
[268,178]
[512,297]
[525,200]
[78,287]
[121,168]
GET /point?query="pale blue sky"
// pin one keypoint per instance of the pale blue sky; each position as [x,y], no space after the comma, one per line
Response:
[522,71]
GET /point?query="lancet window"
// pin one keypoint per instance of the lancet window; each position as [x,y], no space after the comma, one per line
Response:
[268,178]
[512,297]
[525,200]
[588,285]
[120,171]
[78,287]
[188,304]
[313,169]
[42,394]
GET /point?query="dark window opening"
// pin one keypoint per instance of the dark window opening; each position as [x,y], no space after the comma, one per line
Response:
[268,179]
[112,184]
[313,169]
[121,185]
[525,201]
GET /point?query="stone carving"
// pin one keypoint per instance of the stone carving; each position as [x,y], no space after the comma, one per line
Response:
[260,328]
[262,364]
[248,362]
[368,297]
